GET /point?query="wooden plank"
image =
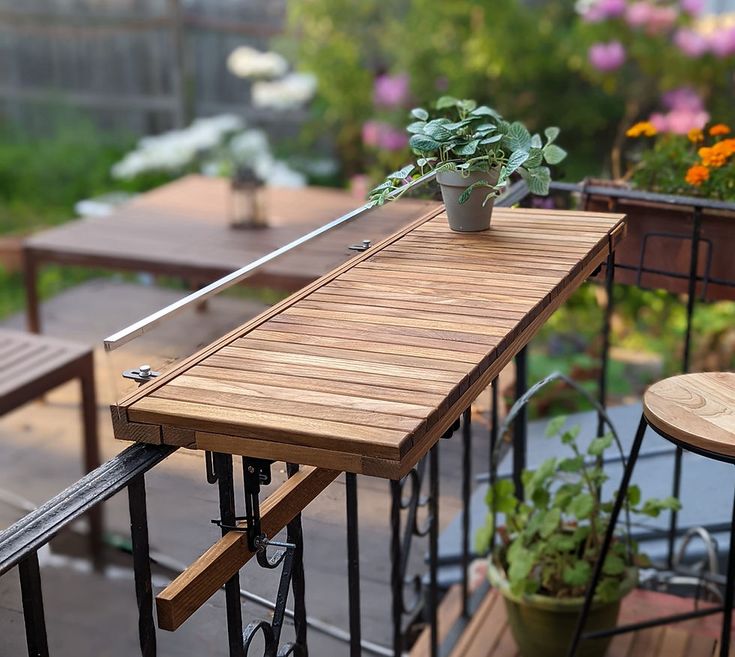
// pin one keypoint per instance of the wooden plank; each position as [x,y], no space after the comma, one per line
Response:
[449,611]
[203,578]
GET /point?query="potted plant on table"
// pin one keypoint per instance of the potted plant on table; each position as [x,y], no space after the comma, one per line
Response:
[474,152]
[549,542]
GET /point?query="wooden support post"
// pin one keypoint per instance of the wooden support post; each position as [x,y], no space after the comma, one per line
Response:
[209,572]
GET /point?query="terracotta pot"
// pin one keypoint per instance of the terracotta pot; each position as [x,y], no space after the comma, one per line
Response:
[543,626]
[472,215]
[671,254]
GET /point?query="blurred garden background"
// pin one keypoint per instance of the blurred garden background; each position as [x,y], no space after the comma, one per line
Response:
[318,92]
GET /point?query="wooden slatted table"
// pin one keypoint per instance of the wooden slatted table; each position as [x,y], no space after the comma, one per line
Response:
[366,368]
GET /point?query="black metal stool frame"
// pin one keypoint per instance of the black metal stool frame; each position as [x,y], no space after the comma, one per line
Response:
[726,608]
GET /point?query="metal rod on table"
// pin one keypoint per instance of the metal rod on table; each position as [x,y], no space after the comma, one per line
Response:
[226,489]
[32,598]
[353,564]
[466,477]
[142,565]
[520,424]
[147,323]
[605,355]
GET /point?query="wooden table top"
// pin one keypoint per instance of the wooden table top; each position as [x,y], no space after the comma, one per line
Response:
[182,228]
[366,368]
[695,409]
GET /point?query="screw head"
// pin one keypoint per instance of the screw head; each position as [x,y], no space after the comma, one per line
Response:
[251,469]
[366,243]
[144,370]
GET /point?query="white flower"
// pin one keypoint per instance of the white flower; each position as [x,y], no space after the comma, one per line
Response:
[250,146]
[176,149]
[246,62]
[290,92]
[276,173]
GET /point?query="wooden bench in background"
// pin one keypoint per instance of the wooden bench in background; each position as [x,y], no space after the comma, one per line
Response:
[31,366]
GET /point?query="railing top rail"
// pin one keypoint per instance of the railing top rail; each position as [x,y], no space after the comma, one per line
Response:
[634,194]
[38,527]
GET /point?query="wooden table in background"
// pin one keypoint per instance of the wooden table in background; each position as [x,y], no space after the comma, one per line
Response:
[181,229]
[365,369]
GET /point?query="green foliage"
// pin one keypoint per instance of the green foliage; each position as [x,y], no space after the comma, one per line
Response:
[552,538]
[469,138]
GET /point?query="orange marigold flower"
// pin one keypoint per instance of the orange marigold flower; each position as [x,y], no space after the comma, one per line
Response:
[642,128]
[719,129]
[716,156]
[697,175]
[695,135]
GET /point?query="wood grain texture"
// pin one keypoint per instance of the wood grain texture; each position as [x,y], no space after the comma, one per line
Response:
[203,578]
[488,633]
[696,409]
[367,367]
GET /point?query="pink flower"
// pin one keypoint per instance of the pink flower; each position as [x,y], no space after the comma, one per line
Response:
[654,18]
[391,90]
[691,43]
[681,121]
[378,134]
[370,133]
[692,7]
[722,42]
[604,9]
[683,98]
[606,57]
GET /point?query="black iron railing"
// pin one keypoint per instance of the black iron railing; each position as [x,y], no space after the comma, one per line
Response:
[414,524]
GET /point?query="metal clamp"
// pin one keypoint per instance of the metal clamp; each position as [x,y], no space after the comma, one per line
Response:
[142,374]
[364,246]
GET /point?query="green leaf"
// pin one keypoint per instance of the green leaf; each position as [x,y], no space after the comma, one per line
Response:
[484,110]
[416,127]
[437,131]
[573,464]
[599,445]
[446,102]
[535,158]
[423,161]
[470,148]
[465,195]
[491,140]
[419,113]
[536,141]
[519,139]
[581,506]
[551,134]
[538,180]
[467,104]
[521,564]
[570,435]
[578,574]
[562,543]
[484,536]
[423,144]
[634,494]
[550,523]
[613,565]
[555,425]
[608,589]
[501,496]
[446,166]
[515,161]
[554,154]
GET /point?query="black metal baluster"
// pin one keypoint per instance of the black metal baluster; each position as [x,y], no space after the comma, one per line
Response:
[605,355]
[295,536]
[353,564]
[433,597]
[142,565]
[493,444]
[466,477]
[521,422]
[226,488]
[33,614]
[396,570]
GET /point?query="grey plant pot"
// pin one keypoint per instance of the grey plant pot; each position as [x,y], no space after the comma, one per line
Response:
[470,216]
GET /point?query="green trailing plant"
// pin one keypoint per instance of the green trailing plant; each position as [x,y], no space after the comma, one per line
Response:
[549,541]
[466,137]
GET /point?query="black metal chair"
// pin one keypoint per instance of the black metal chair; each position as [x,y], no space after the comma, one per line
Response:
[697,413]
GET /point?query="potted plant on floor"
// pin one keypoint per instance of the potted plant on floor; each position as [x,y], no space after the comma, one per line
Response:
[474,152]
[549,542]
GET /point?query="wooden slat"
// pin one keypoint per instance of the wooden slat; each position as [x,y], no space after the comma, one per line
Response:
[371,364]
[203,578]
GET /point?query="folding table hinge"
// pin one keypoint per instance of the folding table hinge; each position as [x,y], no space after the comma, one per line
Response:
[142,374]
[364,246]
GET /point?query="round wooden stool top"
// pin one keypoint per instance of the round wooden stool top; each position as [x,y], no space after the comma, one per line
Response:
[696,410]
